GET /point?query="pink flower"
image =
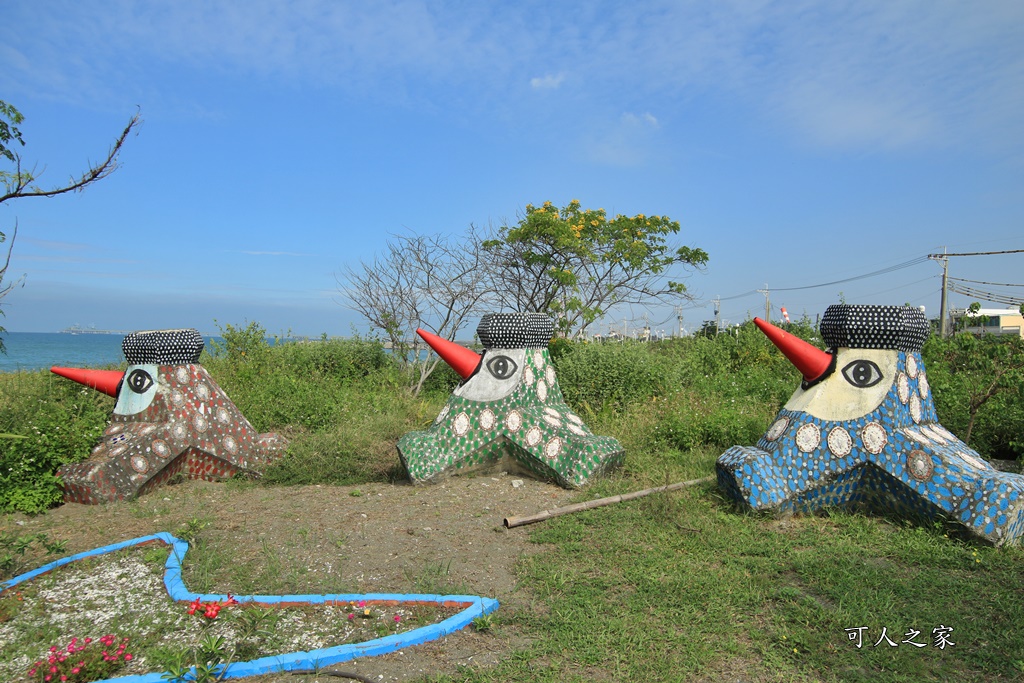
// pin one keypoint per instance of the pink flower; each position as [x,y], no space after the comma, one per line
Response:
[351,616]
[128,657]
[398,618]
[361,603]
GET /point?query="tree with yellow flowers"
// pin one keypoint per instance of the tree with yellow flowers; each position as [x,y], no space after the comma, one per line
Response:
[577,263]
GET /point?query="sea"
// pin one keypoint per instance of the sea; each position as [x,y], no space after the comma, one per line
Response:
[30,351]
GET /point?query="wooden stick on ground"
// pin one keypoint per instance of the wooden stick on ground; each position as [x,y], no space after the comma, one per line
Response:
[511,522]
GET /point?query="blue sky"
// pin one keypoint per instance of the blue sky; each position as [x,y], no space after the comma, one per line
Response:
[797,143]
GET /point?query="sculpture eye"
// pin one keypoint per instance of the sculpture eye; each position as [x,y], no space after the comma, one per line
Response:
[862,373]
[139,381]
[502,367]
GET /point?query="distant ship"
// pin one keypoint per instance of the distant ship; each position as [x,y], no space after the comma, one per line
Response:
[78,329]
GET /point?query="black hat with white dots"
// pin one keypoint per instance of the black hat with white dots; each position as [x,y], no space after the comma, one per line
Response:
[163,347]
[859,326]
[515,330]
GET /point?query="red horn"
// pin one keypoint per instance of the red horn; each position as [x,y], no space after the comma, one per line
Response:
[100,380]
[462,360]
[811,361]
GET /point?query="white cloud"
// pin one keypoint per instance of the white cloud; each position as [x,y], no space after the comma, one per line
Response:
[629,142]
[547,82]
[644,120]
[867,74]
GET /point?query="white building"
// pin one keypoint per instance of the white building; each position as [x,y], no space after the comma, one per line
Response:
[989,321]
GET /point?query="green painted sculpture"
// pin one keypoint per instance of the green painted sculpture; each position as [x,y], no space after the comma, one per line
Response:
[508,410]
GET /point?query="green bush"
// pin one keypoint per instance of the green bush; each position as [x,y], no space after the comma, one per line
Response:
[47,422]
[986,374]
[295,384]
[442,380]
[613,374]
[693,422]
[343,359]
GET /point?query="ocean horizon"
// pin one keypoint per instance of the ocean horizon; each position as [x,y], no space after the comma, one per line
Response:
[32,351]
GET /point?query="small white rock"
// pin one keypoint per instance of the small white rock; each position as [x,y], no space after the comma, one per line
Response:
[516,483]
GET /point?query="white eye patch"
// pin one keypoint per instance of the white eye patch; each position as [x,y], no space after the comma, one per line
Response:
[138,389]
[500,373]
[866,377]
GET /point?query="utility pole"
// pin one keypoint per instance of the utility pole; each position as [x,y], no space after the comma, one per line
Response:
[767,303]
[718,314]
[679,319]
[942,302]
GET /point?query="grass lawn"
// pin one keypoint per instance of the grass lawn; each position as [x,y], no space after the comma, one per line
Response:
[680,587]
[676,586]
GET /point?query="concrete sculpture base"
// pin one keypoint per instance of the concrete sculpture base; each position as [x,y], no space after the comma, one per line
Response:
[508,408]
[861,434]
[170,418]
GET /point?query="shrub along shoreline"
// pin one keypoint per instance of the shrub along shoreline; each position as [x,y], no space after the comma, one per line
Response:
[344,403]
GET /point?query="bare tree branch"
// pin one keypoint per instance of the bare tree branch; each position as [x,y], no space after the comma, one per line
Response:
[435,282]
[19,184]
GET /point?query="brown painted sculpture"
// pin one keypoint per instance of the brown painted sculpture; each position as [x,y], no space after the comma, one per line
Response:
[170,418]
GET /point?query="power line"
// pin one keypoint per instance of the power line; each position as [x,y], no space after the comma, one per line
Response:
[978,253]
[740,296]
[883,271]
[980,282]
[987,296]
[968,291]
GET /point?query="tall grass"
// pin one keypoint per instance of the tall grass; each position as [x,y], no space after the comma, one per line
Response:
[343,404]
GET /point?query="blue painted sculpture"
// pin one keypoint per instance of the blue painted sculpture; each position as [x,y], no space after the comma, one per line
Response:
[861,434]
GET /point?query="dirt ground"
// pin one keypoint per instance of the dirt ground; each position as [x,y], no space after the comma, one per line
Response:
[326,539]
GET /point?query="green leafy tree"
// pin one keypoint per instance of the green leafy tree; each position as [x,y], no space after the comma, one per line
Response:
[9,130]
[21,182]
[577,263]
[978,381]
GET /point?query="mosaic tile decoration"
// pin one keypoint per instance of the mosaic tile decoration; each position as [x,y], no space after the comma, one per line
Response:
[472,607]
[889,455]
[170,418]
[511,409]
